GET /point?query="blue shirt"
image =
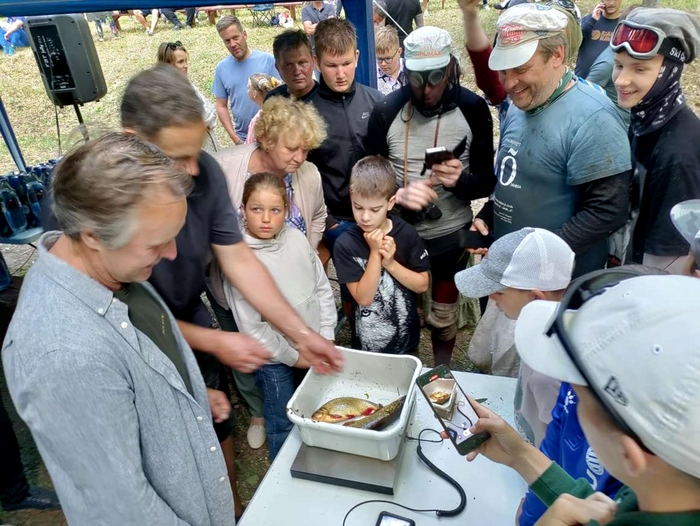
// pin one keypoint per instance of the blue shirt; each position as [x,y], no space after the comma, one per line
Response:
[231,82]
[566,445]
[544,158]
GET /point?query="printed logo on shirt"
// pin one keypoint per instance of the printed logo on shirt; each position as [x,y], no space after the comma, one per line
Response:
[508,169]
[424,254]
[570,400]
[613,389]
[605,36]
[365,114]
[594,468]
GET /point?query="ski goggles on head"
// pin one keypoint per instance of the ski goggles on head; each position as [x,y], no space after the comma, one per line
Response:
[644,42]
[569,6]
[418,79]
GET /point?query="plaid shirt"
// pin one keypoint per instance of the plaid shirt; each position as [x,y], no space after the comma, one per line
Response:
[386,83]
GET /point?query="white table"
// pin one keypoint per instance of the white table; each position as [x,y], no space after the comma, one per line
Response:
[493,491]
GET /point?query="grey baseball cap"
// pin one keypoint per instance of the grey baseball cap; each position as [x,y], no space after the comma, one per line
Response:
[686,219]
[528,259]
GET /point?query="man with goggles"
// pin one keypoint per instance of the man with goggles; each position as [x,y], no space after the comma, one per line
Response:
[597,28]
[628,345]
[431,111]
[651,48]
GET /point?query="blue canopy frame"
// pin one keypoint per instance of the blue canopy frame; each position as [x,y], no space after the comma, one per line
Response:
[359,12]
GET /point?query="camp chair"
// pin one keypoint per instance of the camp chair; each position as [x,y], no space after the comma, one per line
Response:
[262,14]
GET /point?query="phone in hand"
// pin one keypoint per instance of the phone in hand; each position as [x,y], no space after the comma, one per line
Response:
[436,155]
[452,408]
[389,519]
[474,239]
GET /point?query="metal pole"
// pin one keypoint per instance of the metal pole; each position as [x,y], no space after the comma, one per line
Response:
[10,140]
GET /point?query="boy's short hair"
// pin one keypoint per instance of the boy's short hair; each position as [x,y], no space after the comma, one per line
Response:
[373,177]
[335,36]
[290,39]
[386,39]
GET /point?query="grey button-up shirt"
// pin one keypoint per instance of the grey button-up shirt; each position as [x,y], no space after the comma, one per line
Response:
[123,440]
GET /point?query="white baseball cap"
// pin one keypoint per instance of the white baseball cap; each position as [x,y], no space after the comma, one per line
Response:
[427,48]
[637,345]
[527,259]
[520,29]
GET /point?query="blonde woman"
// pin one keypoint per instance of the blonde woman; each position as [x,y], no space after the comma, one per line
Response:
[259,85]
[286,130]
[175,54]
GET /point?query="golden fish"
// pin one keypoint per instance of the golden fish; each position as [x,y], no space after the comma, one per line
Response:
[343,409]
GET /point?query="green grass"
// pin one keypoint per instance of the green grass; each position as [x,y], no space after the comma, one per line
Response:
[32,116]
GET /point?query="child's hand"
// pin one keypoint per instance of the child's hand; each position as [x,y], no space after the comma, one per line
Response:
[387,251]
[375,239]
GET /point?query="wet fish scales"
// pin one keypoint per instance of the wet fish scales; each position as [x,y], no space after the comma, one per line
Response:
[381,418]
[343,409]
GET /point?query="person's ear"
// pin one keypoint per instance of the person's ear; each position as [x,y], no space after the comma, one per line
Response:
[538,294]
[634,458]
[89,239]
[400,53]
[129,131]
[392,202]
[357,57]
[558,57]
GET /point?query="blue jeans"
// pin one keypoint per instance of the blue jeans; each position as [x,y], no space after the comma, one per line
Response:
[277,384]
[331,235]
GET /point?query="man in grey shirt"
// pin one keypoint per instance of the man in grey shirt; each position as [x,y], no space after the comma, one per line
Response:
[105,380]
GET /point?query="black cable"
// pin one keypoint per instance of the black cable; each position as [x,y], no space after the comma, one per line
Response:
[440,513]
[58,131]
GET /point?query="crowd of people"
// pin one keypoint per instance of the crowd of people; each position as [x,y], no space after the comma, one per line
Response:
[589,243]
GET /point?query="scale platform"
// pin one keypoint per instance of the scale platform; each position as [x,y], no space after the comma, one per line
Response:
[344,469]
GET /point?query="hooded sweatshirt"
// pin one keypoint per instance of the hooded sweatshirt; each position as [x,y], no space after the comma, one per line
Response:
[299,275]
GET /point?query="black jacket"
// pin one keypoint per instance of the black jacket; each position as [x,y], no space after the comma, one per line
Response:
[480,180]
[346,115]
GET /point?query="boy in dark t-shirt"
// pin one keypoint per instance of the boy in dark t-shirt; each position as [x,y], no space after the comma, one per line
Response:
[383,262]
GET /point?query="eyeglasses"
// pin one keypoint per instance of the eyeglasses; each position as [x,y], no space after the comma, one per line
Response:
[175,45]
[418,79]
[386,60]
[644,42]
[579,292]
[569,6]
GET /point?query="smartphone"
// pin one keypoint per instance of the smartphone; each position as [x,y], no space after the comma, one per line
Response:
[437,155]
[452,407]
[389,519]
[473,239]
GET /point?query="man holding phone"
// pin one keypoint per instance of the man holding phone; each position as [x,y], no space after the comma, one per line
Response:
[597,29]
[430,112]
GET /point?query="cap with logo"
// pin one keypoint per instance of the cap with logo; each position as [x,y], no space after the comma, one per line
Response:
[637,342]
[686,219]
[427,48]
[520,29]
[528,259]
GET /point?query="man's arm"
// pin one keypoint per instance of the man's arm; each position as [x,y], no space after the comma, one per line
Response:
[604,211]
[309,28]
[247,274]
[82,415]
[225,117]
[479,49]
[233,349]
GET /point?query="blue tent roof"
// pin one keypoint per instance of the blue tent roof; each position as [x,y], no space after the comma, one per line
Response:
[359,12]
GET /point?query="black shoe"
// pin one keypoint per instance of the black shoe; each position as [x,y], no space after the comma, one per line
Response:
[36,499]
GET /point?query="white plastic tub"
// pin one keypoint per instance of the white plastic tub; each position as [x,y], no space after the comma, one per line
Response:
[381,378]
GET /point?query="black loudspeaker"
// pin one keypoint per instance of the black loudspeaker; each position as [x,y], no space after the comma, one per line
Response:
[67,59]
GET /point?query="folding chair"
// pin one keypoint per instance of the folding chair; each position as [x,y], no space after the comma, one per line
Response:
[262,14]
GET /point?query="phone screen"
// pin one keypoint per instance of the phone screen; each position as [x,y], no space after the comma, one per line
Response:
[452,407]
[388,519]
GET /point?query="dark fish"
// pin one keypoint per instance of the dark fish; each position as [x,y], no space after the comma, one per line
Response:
[345,408]
[380,419]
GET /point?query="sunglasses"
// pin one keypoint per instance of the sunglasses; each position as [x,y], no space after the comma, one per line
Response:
[386,60]
[578,293]
[418,79]
[644,42]
[569,6]
[175,45]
